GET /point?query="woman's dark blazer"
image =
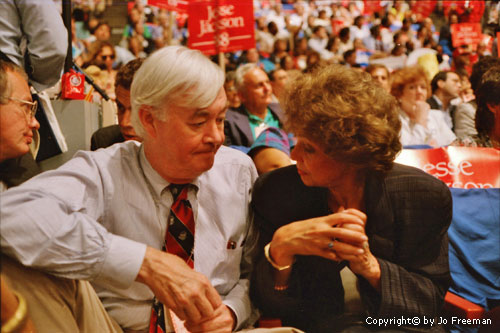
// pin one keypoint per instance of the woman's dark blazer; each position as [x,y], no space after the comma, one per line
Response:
[408,214]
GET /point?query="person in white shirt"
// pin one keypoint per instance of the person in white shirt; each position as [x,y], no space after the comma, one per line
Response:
[103,215]
[420,125]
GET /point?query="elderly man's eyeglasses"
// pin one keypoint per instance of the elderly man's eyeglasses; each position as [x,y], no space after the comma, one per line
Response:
[29,107]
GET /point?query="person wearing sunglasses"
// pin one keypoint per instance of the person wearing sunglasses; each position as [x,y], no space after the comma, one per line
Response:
[100,66]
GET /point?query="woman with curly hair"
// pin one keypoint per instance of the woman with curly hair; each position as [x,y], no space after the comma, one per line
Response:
[346,203]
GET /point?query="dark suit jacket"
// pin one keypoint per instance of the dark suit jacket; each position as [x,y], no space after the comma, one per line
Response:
[237,127]
[433,103]
[105,137]
[408,213]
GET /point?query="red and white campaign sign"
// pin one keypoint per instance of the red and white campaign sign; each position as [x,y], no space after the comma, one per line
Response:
[466,34]
[221,25]
[423,9]
[460,167]
[179,6]
[371,6]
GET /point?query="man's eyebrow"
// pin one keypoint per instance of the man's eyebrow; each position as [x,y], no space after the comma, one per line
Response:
[200,113]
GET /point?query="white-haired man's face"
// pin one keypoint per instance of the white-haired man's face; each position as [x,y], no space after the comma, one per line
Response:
[184,145]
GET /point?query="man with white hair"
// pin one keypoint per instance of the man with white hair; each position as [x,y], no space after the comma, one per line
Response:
[257,112]
[105,216]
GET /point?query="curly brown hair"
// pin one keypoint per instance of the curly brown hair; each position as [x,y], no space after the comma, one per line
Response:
[347,114]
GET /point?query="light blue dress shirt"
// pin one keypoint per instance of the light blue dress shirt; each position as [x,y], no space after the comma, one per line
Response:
[94,216]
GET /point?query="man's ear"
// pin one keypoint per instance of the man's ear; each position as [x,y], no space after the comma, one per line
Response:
[147,120]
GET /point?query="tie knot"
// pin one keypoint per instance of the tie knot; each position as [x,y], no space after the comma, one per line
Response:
[177,190]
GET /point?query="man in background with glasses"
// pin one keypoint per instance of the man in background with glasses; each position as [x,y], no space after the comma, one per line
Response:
[17,115]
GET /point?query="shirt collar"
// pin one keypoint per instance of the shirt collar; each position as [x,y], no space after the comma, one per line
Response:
[438,101]
[257,120]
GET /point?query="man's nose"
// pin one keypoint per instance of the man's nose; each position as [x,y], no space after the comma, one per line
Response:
[34,124]
[215,134]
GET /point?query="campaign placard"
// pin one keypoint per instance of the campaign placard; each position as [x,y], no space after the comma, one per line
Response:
[179,6]
[466,34]
[221,25]
[459,167]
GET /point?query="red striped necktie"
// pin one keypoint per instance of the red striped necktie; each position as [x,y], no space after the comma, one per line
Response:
[179,240]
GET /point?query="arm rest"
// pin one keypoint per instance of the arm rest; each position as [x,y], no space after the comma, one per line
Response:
[460,307]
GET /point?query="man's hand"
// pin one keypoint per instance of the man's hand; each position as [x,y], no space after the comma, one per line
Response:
[222,321]
[186,292]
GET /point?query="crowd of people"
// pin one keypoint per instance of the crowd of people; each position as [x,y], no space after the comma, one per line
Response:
[165,222]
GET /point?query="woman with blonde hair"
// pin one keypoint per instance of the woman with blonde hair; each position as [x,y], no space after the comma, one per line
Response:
[346,203]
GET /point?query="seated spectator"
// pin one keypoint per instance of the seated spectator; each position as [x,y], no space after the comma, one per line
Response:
[287,63]
[465,113]
[39,292]
[279,79]
[101,57]
[313,60]
[17,123]
[103,215]
[445,87]
[271,150]
[233,100]
[101,32]
[421,125]
[110,135]
[136,47]
[78,47]
[345,40]
[380,74]
[136,27]
[466,92]
[319,41]
[332,51]
[350,58]
[488,109]
[256,113]
[252,56]
[300,53]
[347,203]
[280,51]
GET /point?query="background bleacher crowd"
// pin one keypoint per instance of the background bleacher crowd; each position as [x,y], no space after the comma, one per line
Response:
[293,35]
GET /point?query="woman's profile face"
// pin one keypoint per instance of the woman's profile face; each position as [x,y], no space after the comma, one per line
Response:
[314,166]
[415,91]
